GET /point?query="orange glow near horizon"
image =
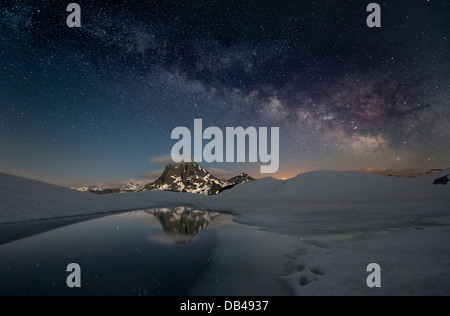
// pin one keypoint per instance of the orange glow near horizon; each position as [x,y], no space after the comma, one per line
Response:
[286,175]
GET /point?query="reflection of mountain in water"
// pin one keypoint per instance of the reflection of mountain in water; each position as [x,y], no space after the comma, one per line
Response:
[182,224]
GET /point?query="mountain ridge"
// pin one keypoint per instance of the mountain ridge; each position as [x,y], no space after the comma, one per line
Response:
[178,177]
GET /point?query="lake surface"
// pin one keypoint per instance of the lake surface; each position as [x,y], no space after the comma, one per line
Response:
[177,251]
[153,252]
[183,251]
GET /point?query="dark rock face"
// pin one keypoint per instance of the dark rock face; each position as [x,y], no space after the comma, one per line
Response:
[182,224]
[242,178]
[106,191]
[442,181]
[187,177]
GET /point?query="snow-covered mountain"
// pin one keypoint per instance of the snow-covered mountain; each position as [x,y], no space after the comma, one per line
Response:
[98,190]
[182,177]
[130,187]
[187,177]
[92,189]
[240,179]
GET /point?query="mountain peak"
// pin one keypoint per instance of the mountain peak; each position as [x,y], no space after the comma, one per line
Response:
[130,187]
[187,177]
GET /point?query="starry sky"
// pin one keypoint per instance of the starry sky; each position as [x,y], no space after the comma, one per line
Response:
[97,104]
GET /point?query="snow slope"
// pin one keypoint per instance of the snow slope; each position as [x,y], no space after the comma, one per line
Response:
[323,185]
[23,200]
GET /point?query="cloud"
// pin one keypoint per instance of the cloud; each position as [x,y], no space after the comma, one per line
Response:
[216,172]
[220,173]
[167,159]
[162,160]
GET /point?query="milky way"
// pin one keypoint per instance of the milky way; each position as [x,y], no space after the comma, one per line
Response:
[98,103]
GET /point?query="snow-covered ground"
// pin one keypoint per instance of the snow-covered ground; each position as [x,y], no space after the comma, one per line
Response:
[321,229]
[23,199]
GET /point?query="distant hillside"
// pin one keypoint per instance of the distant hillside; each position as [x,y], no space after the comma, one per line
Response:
[323,185]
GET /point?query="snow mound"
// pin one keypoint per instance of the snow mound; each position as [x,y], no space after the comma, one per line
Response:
[322,185]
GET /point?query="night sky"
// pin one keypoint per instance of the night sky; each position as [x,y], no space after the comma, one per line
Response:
[97,104]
